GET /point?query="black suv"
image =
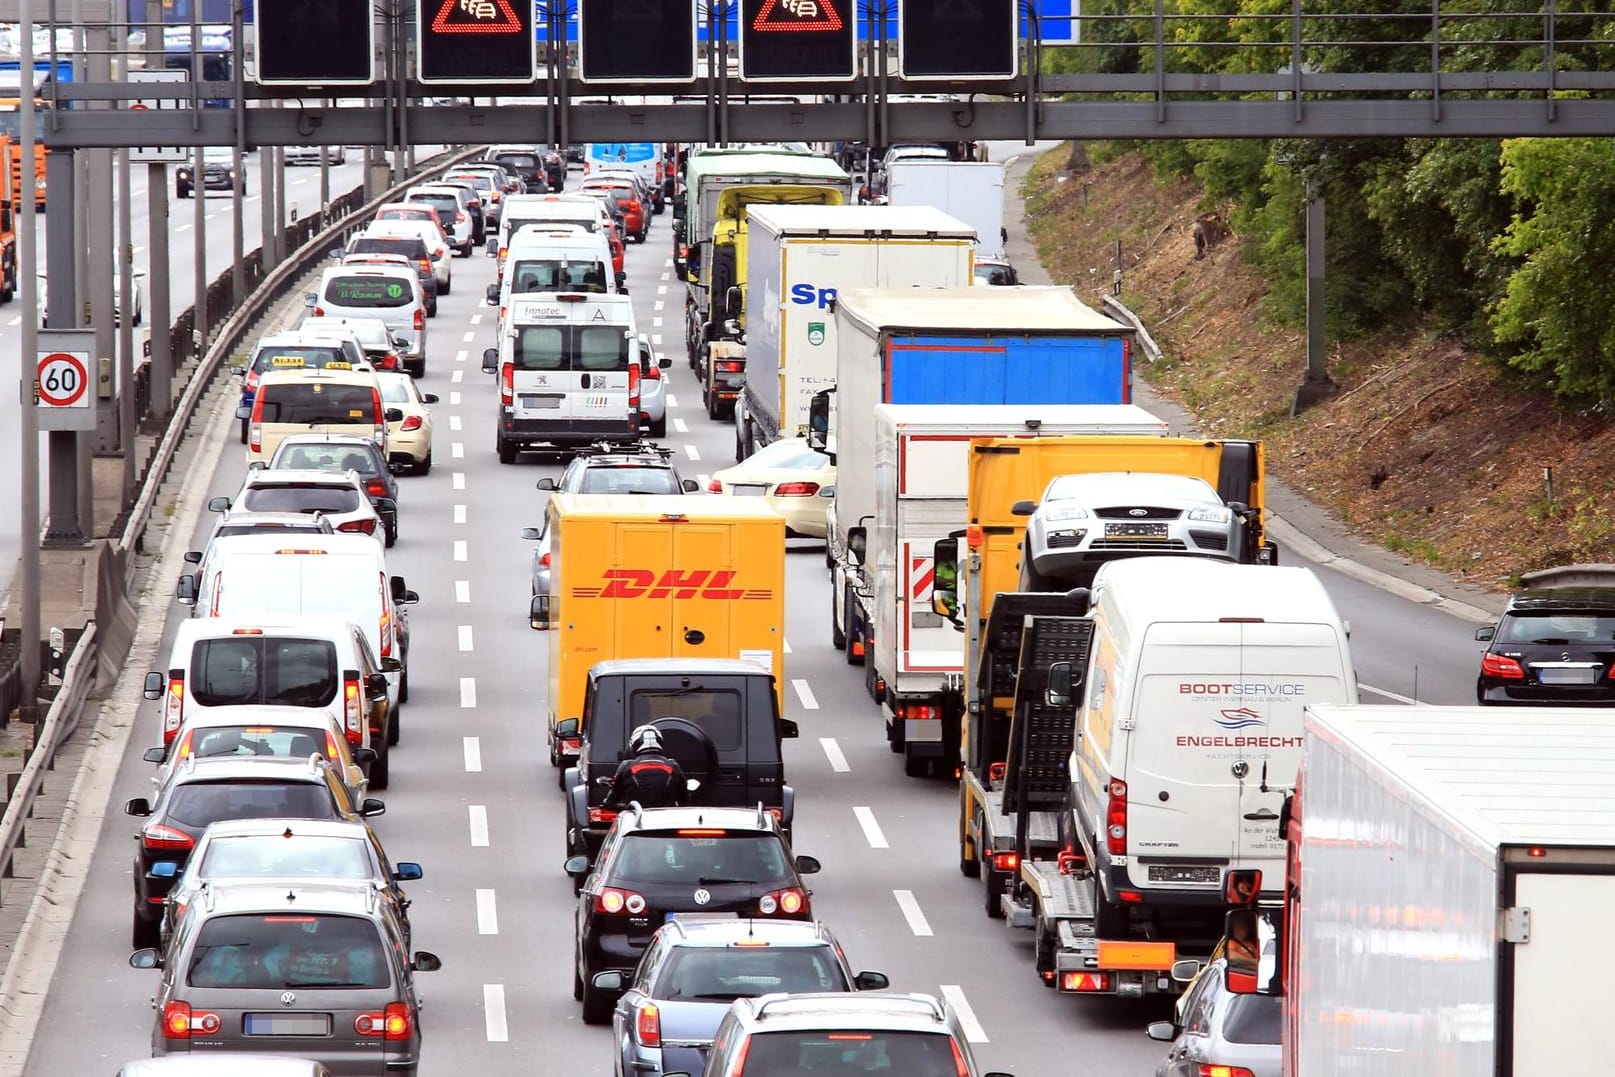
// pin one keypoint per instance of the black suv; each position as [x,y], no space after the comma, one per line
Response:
[718,717]
[659,862]
[1554,646]
[203,791]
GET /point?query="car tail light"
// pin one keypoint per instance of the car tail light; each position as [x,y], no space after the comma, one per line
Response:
[179,1021]
[1502,667]
[544,559]
[613,902]
[352,705]
[1207,1069]
[738,1066]
[392,1023]
[787,902]
[806,489]
[960,1067]
[319,312]
[411,422]
[386,621]
[919,712]
[255,429]
[420,319]
[425,265]
[714,487]
[653,373]
[359,527]
[633,386]
[728,366]
[648,1025]
[602,815]
[330,745]
[173,706]
[1006,861]
[1116,818]
[507,383]
[375,487]
[159,836]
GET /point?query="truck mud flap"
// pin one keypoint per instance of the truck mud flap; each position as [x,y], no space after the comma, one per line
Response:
[1237,471]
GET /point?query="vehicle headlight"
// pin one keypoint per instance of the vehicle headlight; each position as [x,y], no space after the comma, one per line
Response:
[1210,516]
[1065,512]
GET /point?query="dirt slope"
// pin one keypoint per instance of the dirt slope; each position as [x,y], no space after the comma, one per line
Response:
[1426,449]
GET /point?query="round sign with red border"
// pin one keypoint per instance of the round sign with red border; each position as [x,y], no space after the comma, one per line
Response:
[64,381]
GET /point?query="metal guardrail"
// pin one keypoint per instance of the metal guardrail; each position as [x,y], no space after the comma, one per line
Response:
[60,722]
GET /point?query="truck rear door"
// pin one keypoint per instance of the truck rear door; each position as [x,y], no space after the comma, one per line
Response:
[702,571]
[929,507]
[1568,933]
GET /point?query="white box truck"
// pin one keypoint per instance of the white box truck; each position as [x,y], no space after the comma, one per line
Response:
[800,259]
[972,191]
[900,486]
[1451,909]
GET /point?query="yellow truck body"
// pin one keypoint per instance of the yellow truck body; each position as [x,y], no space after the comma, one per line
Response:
[666,576]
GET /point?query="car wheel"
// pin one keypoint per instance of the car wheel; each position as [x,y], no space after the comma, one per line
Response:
[144,933]
[658,429]
[392,535]
[431,309]
[710,398]
[417,369]
[403,687]
[381,768]
[914,766]
[506,450]
[394,731]
[244,423]
[838,638]
[597,1006]
[443,286]
[425,466]
[577,984]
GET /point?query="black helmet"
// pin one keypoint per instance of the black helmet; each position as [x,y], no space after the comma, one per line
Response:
[645,739]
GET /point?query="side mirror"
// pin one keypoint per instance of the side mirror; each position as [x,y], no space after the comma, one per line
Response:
[372,808]
[818,433]
[430,398]
[491,296]
[409,599]
[154,755]
[493,246]
[139,807]
[566,728]
[788,729]
[1241,886]
[393,415]
[401,342]
[146,959]
[490,360]
[397,588]
[426,961]
[576,866]
[546,483]
[808,865]
[945,579]
[613,982]
[377,684]
[243,412]
[218,504]
[1023,508]
[1185,970]
[538,613]
[664,362]
[164,869]
[185,590]
[690,486]
[153,688]
[622,277]
[1486,633]
[193,557]
[1163,1031]
[732,301]
[407,871]
[1062,685]
[857,544]
[871,981]
[364,756]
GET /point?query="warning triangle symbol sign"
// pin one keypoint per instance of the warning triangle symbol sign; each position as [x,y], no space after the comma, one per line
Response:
[476,17]
[797,15]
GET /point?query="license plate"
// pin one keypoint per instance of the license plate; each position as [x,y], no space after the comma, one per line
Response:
[1562,675]
[1184,873]
[531,401]
[748,490]
[1131,530]
[288,1024]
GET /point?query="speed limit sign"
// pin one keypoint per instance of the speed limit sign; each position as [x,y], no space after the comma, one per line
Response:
[63,394]
[64,380]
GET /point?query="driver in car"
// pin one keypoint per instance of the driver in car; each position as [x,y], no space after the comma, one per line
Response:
[647,775]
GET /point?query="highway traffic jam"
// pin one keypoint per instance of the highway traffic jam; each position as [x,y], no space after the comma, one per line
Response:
[1101,685]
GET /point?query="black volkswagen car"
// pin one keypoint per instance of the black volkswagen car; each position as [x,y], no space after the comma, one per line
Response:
[1554,646]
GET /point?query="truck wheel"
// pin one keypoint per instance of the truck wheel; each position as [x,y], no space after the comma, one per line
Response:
[838,638]
[995,892]
[853,629]
[244,423]
[710,398]
[894,736]
[658,429]
[1044,956]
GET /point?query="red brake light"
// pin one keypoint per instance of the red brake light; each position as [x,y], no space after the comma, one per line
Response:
[1206,1069]
[375,488]
[796,489]
[728,366]
[459,216]
[319,312]
[173,706]
[1116,818]
[352,706]
[633,386]
[179,1021]
[1006,861]
[714,487]
[648,1026]
[420,319]
[596,815]
[613,901]
[653,373]
[788,902]
[960,1067]
[251,383]
[360,527]
[544,560]
[1501,666]
[507,383]
[160,836]
[411,422]
[393,1023]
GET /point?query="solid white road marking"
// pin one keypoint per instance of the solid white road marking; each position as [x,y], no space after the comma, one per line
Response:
[459,550]
[468,693]
[493,1011]
[454,400]
[479,825]
[459,514]
[1389,695]
[469,336]
[681,426]
[465,638]
[462,590]
[457,480]
[672,401]
[459,356]
[473,754]
[692,452]
[457,376]
[967,1016]
[805,693]
[487,913]
[866,820]
[911,912]
[454,422]
[832,751]
[15,321]
[457,449]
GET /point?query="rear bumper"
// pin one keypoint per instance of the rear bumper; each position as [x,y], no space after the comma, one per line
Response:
[563,431]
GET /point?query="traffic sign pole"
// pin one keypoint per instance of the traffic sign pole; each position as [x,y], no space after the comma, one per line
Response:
[28,426]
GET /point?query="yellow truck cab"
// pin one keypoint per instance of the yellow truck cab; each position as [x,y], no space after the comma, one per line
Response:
[637,576]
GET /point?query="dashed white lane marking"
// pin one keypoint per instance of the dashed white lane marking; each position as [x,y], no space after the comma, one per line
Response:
[15,321]
[656,340]
[672,401]
[462,591]
[473,754]
[659,304]
[182,227]
[804,692]
[454,399]
[469,336]
[493,1012]
[910,909]
[478,816]
[457,449]
[476,319]
[454,421]
[457,377]
[468,693]
[656,322]
[832,752]
[459,550]
[465,638]
[681,426]
[487,913]
[459,356]
[668,265]
[1389,695]
[457,480]
[661,289]
[459,514]
[872,832]
[692,452]
[967,1016]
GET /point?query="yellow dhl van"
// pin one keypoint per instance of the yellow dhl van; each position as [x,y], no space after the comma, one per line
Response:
[660,576]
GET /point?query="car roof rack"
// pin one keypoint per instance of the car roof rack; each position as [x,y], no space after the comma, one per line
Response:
[611,448]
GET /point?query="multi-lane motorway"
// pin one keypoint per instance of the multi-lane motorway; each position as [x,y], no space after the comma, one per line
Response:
[474,799]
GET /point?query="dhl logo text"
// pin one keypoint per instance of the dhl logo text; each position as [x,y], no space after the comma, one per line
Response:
[695,583]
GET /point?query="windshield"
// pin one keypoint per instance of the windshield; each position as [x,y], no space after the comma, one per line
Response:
[911,1054]
[446,204]
[722,974]
[629,480]
[792,454]
[263,670]
[396,390]
[300,356]
[301,497]
[368,291]
[255,741]
[317,403]
[275,952]
[713,856]
[279,856]
[323,456]
[557,275]
[197,804]
[1184,487]
[571,347]
[589,224]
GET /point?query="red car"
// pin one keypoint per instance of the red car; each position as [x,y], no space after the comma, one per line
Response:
[626,195]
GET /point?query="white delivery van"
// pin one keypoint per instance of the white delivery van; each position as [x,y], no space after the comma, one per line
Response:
[523,210]
[568,372]
[280,576]
[391,293]
[1189,724]
[555,260]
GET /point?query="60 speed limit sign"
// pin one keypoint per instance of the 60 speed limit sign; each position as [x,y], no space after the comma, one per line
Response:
[64,380]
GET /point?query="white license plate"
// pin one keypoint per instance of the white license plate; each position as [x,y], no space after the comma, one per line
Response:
[531,401]
[288,1024]
[1184,873]
[1559,675]
[747,490]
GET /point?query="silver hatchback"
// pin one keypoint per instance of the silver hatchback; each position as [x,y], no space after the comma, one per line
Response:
[1218,1031]
[317,971]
